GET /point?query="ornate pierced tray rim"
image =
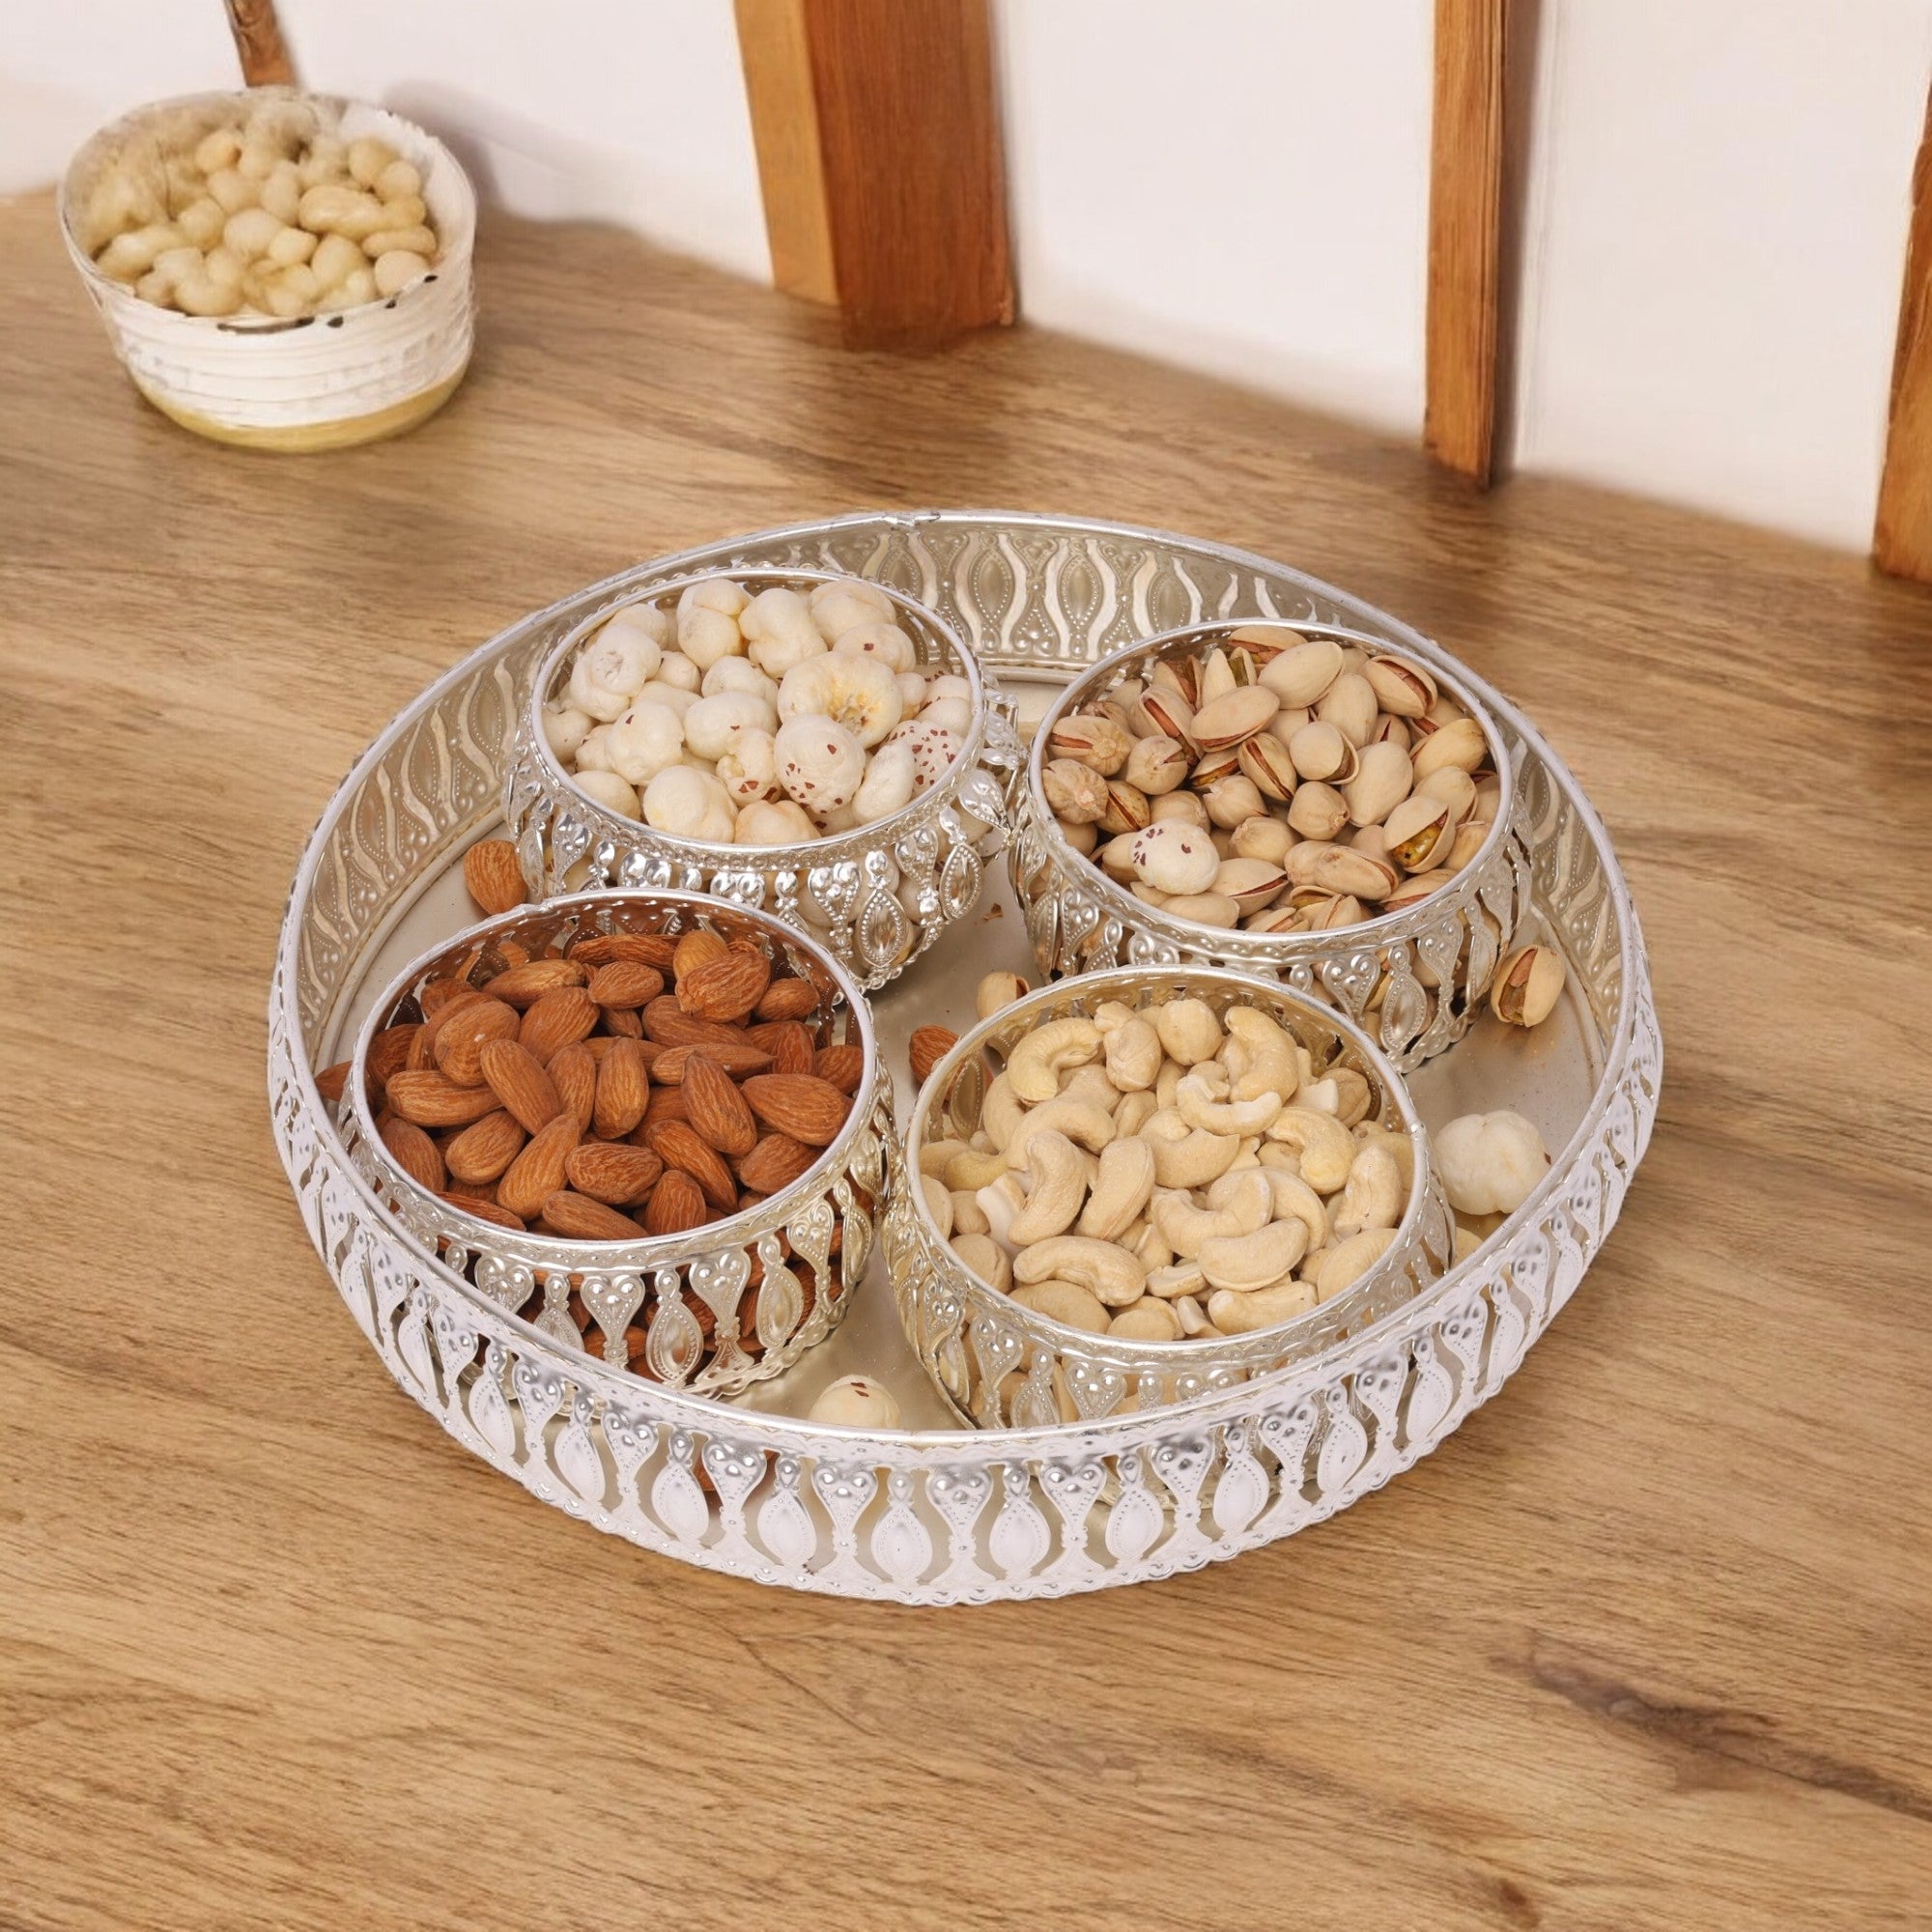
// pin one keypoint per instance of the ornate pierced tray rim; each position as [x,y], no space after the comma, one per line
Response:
[907,1448]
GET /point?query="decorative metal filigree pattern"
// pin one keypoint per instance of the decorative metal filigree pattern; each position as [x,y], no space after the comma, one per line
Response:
[876,897]
[1001,1365]
[969,1515]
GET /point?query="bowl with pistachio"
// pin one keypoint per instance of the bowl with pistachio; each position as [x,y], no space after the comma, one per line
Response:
[803,741]
[274,269]
[1295,800]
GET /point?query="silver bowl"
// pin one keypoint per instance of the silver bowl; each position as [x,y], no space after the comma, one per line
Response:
[1001,1365]
[797,1255]
[876,897]
[1415,977]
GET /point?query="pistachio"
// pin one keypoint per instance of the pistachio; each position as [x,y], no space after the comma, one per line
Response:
[1082,837]
[1164,714]
[1211,767]
[1393,731]
[1077,793]
[1470,838]
[1262,838]
[1276,919]
[1216,678]
[1156,764]
[1175,674]
[1332,912]
[1318,811]
[1204,908]
[1251,883]
[1184,806]
[1527,985]
[1454,784]
[1320,751]
[1265,643]
[1098,741]
[1126,808]
[1344,869]
[1402,689]
[1268,766]
[1458,742]
[1236,715]
[1420,831]
[1350,705]
[1233,800]
[1115,858]
[1414,888]
[1383,777]
[1301,674]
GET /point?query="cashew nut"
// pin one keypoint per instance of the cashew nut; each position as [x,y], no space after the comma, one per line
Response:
[938,1204]
[1133,1114]
[968,1218]
[1078,1119]
[934,1155]
[1000,1113]
[973,1170]
[1148,1319]
[1133,1054]
[1190,1158]
[1116,1276]
[1121,1189]
[1178,1278]
[1194,1098]
[1294,1200]
[1091,1085]
[1247,1262]
[1373,1197]
[1237,1203]
[1001,1201]
[1349,1260]
[1233,1313]
[1070,1302]
[1035,1065]
[1188,1030]
[1326,1146]
[985,1257]
[1059,1186]
[1268,1059]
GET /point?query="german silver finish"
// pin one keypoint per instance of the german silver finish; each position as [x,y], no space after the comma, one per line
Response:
[943,1515]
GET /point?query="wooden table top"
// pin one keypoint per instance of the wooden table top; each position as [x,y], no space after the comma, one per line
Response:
[1645,1644]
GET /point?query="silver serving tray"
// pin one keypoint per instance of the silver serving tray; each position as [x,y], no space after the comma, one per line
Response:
[931,1513]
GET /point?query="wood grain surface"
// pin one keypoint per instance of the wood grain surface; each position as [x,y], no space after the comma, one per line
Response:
[1645,1644]
[1465,179]
[775,55]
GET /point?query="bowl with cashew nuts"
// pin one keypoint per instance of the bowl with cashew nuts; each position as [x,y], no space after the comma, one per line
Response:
[1298,801]
[279,270]
[653,1123]
[1133,1186]
[812,743]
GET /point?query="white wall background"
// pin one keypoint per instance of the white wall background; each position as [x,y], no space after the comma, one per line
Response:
[1716,203]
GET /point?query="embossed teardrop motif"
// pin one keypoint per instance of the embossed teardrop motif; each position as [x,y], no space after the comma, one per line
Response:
[1019,1539]
[882,933]
[489,1413]
[959,881]
[674,1344]
[1134,1522]
[784,1527]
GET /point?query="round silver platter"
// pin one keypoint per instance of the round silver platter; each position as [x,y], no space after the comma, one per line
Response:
[933,1514]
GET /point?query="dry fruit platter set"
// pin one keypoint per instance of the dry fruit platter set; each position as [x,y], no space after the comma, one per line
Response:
[948,1055]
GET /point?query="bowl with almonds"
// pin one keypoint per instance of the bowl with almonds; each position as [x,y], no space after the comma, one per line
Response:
[814,743]
[654,1123]
[1298,801]
[280,269]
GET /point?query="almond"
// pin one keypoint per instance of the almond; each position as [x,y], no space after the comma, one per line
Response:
[432,1099]
[538,1171]
[330,1082]
[715,1108]
[624,983]
[481,1153]
[513,1075]
[461,1038]
[677,1202]
[776,1162]
[787,1000]
[558,1019]
[647,949]
[726,988]
[843,1066]
[927,1047]
[694,949]
[573,1072]
[669,1025]
[667,1068]
[415,1154]
[460,1001]
[390,1052]
[666,1103]
[578,1218]
[792,1047]
[492,1211]
[419,1055]
[677,1144]
[613,1174]
[433,995]
[495,875]
[801,1105]
[524,985]
[624,1022]
[623,1091]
